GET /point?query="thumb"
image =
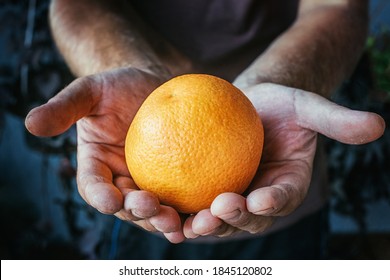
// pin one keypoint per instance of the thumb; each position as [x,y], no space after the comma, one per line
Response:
[63,110]
[337,122]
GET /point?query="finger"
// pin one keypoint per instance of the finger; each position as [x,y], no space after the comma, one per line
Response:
[162,223]
[281,189]
[175,237]
[103,196]
[125,184]
[146,225]
[63,110]
[142,204]
[167,220]
[94,181]
[337,122]
[187,228]
[126,216]
[276,200]
[231,208]
[204,223]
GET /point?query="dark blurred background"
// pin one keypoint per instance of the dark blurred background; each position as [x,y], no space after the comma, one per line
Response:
[42,215]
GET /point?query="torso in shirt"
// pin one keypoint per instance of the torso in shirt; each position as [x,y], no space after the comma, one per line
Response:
[221,36]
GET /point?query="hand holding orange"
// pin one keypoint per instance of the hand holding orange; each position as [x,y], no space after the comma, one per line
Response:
[195,137]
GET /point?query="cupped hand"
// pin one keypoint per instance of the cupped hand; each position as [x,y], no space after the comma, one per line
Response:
[103,105]
[291,119]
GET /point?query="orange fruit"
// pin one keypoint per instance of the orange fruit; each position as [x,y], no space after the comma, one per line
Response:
[194,137]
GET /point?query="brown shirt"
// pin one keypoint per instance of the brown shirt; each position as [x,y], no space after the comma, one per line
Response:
[219,34]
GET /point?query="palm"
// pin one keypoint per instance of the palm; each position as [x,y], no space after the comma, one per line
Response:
[117,97]
[289,148]
[291,118]
[104,105]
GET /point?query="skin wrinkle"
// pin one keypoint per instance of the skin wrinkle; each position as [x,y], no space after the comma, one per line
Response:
[97,197]
[296,151]
[132,202]
[294,102]
[84,142]
[85,175]
[297,109]
[116,142]
[221,231]
[243,221]
[92,83]
[270,166]
[91,182]
[162,226]
[326,125]
[126,216]
[112,161]
[145,224]
[268,211]
[305,120]
[232,216]
[228,231]
[285,189]
[274,207]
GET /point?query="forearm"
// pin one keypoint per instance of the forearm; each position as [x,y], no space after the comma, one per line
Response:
[317,53]
[95,36]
